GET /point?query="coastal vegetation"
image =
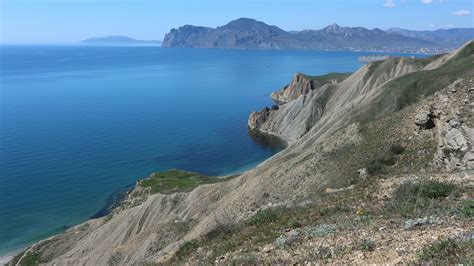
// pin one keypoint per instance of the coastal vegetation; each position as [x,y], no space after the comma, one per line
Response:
[174,180]
[329,78]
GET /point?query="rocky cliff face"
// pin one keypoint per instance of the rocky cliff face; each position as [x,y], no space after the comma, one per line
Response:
[302,84]
[331,105]
[338,178]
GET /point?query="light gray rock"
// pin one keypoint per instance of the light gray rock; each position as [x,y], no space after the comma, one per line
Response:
[455,139]
[411,223]
[424,120]
[363,173]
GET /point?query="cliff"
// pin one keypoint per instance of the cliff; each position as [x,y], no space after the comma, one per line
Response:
[302,84]
[379,169]
[331,105]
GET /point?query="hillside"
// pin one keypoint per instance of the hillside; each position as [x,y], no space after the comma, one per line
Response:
[247,33]
[379,169]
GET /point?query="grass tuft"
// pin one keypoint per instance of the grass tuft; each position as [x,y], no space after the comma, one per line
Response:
[367,245]
[448,252]
[266,216]
[412,198]
[397,149]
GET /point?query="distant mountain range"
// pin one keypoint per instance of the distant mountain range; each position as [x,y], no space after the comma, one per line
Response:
[445,37]
[245,33]
[117,39]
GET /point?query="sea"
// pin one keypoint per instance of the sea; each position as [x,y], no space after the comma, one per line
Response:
[78,123]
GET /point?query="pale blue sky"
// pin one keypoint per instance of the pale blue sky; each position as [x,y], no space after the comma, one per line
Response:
[35,21]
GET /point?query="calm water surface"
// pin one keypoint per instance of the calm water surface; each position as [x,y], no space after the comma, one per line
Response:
[78,123]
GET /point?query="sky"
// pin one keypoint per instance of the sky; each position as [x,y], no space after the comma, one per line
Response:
[40,21]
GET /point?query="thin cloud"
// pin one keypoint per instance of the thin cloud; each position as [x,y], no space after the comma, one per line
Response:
[389,4]
[462,13]
[426,1]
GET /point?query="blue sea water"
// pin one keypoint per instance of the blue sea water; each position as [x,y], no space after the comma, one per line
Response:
[78,123]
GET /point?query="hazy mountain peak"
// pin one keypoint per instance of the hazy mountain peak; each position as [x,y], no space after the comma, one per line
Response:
[117,39]
[333,28]
[245,24]
[112,38]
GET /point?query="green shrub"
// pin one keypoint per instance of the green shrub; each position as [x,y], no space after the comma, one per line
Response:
[375,168]
[388,161]
[266,216]
[414,197]
[397,149]
[221,229]
[322,230]
[367,245]
[187,248]
[467,208]
[295,224]
[31,259]
[448,252]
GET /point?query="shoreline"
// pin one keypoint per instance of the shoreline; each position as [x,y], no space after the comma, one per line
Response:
[6,259]
[115,199]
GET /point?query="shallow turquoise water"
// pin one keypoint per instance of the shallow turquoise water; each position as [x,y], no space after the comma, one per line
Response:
[81,122]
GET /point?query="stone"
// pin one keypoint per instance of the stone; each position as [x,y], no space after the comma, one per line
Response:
[424,120]
[323,253]
[455,140]
[267,248]
[363,173]
[411,223]
[469,160]
[453,123]
[322,230]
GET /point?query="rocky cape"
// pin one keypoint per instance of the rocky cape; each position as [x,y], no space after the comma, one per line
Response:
[331,196]
[247,33]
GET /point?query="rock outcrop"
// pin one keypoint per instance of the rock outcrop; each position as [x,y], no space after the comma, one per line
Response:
[455,149]
[424,120]
[256,119]
[303,84]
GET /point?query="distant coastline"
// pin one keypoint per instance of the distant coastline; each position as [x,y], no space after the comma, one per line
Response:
[118,40]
